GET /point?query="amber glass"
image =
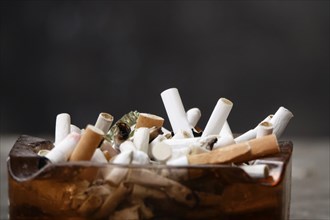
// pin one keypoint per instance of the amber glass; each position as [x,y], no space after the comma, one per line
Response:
[38,190]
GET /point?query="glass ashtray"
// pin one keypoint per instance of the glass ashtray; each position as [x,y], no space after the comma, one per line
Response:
[76,190]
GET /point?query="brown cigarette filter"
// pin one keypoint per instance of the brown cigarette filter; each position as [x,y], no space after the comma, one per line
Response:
[238,153]
[149,120]
[87,144]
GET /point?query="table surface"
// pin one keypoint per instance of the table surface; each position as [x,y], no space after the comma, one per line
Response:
[310,193]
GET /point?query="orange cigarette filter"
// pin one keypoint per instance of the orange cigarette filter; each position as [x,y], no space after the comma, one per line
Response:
[238,153]
[87,144]
[149,120]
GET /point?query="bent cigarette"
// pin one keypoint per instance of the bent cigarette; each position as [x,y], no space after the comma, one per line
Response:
[175,110]
[193,116]
[256,171]
[104,122]
[87,144]
[280,120]
[62,151]
[62,127]
[235,153]
[218,117]
[264,128]
[149,120]
[141,139]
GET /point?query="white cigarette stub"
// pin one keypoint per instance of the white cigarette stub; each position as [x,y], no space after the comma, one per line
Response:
[280,121]
[161,151]
[62,151]
[264,128]
[140,157]
[99,156]
[116,175]
[74,128]
[256,171]
[104,122]
[193,116]
[62,127]
[218,117]
[224,141]
[141,139]
[127,146]
[175,110]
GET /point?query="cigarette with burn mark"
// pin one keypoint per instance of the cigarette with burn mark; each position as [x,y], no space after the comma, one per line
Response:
[193,116]
[175,111]
[218,117]
[87,144]
[236,153]
[224,141]
[62,151]
[104,122]
[62,127]
[149,120]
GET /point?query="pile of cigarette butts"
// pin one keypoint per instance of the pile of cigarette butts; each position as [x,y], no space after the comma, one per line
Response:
[140,139]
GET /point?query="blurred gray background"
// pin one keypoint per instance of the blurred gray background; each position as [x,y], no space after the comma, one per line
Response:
[84,57]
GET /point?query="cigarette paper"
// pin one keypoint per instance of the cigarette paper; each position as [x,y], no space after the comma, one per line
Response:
[62,151]
[238,153]
[193,116]
[62,127]
[256,171]
[127,146]
[141,139]
[87,144]
[264,128]
[175,110]
[74,128]
[104,122]
[225,130]
[280,120]
[161,151]
[99,157]
[149,120]
[218,117]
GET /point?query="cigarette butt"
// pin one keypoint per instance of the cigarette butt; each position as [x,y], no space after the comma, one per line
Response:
[62,151]
[218,117]
[149,120]
[141,139]
[175,110]
[104,122]
[224,141]
[264,128]
[62,127]
[193,116]
[106,154]
[140,157]
[240,152]
[161,152]
[99,157]
[87,144]
[280,120]
[256,171]
[74,128]
[127,146]
[225,130]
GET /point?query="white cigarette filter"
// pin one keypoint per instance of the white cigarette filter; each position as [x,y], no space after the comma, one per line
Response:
[280,120]
[161,152]
[104,122]
[141,139]
[62,151]
[175,110]
[74,128]
[264,128]
[149,121]
[62,127]
[218,117]
[140,157]
[256,171]
[193,116]
[116,175]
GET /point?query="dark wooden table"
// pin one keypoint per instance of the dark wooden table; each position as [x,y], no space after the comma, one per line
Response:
[310,177]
